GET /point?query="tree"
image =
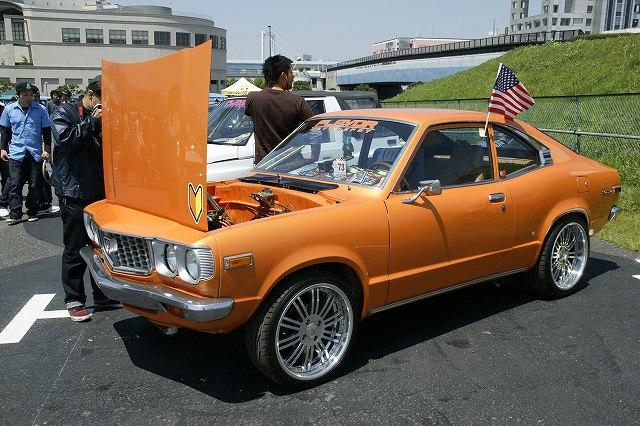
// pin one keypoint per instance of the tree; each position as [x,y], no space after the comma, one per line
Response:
[73,88]
[231,81]
[301,85]
[24,61]
[259,82]
[6,85]
[365,88]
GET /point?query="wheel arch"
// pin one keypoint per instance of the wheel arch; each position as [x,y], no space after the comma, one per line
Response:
[341,269]
[553,220]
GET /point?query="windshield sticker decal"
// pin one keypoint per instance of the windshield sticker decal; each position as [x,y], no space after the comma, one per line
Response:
[365,126]
[235,103]
[196,202]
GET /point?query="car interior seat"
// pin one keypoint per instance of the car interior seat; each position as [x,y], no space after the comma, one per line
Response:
[465,165]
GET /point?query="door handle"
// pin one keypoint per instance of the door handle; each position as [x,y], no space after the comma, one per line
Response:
[496,198]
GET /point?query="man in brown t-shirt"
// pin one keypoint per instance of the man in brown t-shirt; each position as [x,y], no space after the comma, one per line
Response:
[275,111]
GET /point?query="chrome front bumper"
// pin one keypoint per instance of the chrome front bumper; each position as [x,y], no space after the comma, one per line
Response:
[154,297]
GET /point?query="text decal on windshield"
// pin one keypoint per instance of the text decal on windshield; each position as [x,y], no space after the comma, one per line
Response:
[235,103]
[365,126]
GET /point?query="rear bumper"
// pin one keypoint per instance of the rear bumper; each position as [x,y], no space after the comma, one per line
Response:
[154,297]
[614,212]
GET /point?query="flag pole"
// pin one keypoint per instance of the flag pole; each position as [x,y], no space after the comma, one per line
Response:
[486,124]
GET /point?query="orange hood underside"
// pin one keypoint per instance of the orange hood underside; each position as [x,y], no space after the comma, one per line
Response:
[154,134]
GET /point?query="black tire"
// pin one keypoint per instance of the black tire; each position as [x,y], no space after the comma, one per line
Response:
[304,331]
[563,259]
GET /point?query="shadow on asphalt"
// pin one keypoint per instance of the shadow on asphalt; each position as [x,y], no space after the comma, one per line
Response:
[218,365]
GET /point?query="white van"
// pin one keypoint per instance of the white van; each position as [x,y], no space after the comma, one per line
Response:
[230,141]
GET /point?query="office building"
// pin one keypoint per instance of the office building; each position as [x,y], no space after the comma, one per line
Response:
[64,42]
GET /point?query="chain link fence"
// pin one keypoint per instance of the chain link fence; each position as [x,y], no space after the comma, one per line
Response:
[605,128]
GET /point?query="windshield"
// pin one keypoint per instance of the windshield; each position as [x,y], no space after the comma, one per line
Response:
[341,150]
[228,125]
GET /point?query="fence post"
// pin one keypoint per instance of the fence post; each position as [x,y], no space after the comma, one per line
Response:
[458,103]
[576,141]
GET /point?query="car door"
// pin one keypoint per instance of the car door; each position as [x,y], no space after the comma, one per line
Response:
[459,235]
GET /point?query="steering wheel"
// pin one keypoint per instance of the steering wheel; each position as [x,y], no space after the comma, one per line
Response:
[379,163]
[386,165]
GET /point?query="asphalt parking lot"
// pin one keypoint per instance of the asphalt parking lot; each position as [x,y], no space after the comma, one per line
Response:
[483,355]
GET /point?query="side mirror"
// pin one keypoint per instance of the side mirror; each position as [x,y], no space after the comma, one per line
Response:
[430,187]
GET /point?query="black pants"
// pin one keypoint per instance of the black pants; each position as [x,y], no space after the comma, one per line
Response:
[21,172]
[73,267]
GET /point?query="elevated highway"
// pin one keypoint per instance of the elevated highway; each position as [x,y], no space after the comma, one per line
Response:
[389,71]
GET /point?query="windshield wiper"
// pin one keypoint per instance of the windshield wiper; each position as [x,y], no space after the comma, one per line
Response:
[290,183]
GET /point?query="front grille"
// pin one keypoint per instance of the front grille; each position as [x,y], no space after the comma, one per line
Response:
[126,253]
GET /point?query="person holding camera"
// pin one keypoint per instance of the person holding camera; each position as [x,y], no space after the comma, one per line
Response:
[79,181]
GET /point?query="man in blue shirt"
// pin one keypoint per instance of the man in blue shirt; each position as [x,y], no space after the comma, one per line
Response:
[23,127]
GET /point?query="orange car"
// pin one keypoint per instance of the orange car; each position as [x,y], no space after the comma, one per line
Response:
[354,213]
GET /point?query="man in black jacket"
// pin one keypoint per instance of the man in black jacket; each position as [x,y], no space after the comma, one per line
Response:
[79,181]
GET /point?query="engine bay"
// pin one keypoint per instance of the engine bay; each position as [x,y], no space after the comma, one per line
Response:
[238,202]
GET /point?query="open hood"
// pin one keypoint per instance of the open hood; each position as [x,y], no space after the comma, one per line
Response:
[155,134]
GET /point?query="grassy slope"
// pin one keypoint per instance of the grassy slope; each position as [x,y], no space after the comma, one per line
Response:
[599,66]
[584,66]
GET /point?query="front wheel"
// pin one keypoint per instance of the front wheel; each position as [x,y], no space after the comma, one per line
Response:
[303,333]
[563,259]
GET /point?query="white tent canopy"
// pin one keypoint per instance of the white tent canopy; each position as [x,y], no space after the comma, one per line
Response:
[239,88]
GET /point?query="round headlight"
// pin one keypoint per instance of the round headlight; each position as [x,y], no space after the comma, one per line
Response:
[87,226]
[170,256]
[191,264]
[96,232]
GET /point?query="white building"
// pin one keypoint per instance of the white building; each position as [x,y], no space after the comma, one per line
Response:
[590,16]
[64,42]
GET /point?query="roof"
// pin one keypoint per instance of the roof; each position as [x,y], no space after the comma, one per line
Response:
[419,115]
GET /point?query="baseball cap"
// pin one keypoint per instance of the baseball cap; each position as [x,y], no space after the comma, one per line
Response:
[23,86]
[35,89]
[66,92]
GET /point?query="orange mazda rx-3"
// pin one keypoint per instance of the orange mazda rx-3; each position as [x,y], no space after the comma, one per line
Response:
[354,213]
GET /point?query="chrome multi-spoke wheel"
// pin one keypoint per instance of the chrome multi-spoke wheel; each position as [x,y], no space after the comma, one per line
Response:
[304,331]
[563,259]
[569,256]
[314,331]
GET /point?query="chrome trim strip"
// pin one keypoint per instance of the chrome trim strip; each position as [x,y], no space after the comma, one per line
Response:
[444,290]
[154,297]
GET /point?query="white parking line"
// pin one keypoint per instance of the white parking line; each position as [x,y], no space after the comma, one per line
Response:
[28,315]
[54,314]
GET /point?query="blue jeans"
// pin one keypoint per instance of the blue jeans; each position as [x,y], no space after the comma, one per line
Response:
[21,172]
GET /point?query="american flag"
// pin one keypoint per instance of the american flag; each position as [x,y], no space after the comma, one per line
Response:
[509,97]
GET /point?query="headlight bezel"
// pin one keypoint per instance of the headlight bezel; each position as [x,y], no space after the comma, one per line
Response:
[91,228]
[202,266]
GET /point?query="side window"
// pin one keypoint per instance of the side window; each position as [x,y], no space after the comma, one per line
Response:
[514,154]
[317,106]
[455,156]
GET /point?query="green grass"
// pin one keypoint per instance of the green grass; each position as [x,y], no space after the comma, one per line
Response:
[585,66]
[623,231]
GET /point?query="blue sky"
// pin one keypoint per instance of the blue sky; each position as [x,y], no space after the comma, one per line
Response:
[340,30]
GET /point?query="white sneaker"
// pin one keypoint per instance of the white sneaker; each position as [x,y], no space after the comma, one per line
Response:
[4,212]
[51,209]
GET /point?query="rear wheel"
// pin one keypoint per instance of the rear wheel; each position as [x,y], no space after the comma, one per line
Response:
[563,259]
[303,333]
